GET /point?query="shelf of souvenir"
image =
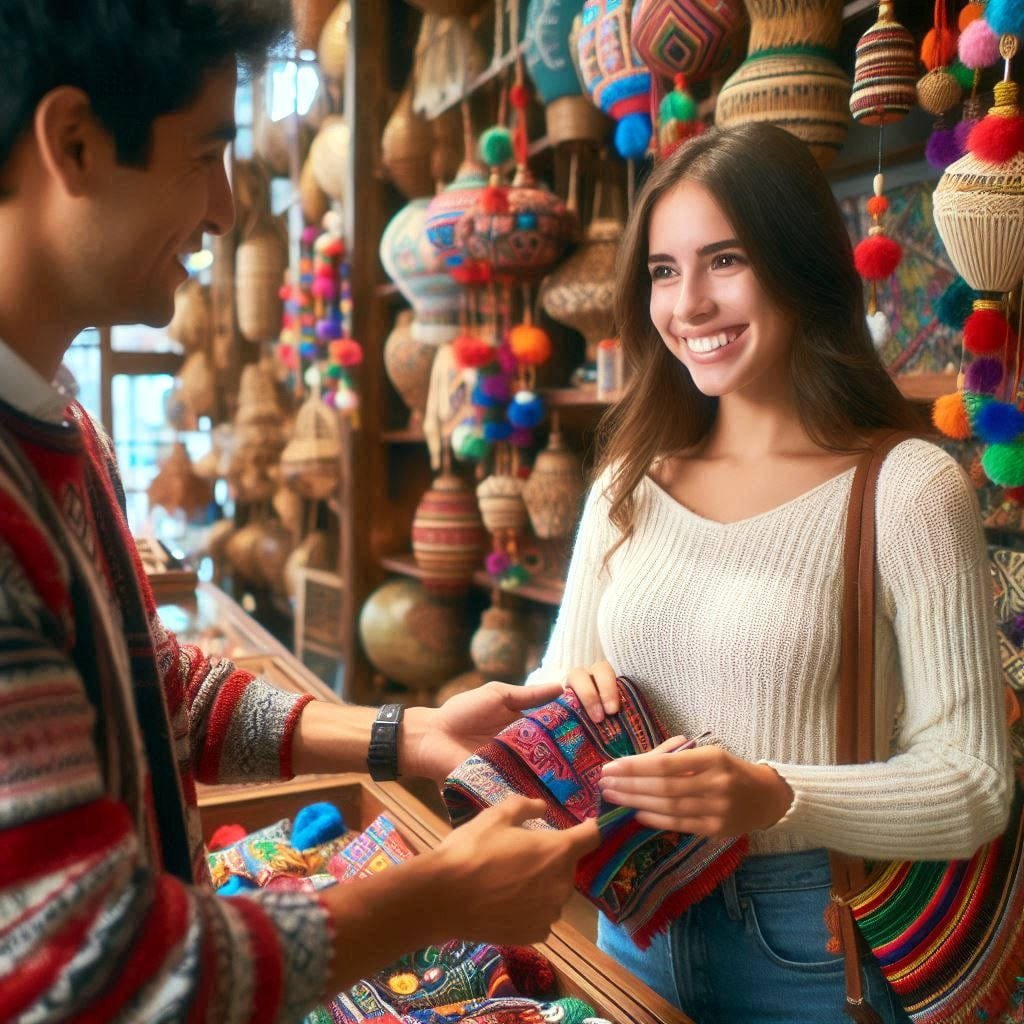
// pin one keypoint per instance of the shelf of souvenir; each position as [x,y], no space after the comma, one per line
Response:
[581,969]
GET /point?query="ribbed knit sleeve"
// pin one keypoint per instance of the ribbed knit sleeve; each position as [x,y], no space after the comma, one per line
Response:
[946,788]
[574,641]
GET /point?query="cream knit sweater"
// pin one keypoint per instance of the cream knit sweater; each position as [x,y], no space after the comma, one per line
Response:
[734,628]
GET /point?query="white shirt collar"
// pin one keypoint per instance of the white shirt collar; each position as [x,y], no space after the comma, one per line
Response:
[26,390]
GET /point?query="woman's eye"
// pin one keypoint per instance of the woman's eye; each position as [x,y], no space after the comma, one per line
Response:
[725,260]
[660,272]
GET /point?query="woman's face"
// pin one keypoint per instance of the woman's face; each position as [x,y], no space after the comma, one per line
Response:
[708,305]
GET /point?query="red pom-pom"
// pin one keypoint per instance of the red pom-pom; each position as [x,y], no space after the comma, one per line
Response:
[877,257]
[938,51]
[226,835]
[284,293]
[472,351]
[494,200]
[996,139]
[877,205]
[346,352]
[1014,494]
[986,331]
[519,96]
[334,248]
[530,345]
[483,273]
[530,971]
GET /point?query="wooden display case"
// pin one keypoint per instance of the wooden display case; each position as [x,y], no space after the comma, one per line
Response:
[581,968]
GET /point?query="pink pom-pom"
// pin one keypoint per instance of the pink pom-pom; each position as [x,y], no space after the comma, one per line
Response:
[978,45]
[496,386]
[325,288]
[289,357]
[996,139]
[497,562]
[876,257]
[310,234]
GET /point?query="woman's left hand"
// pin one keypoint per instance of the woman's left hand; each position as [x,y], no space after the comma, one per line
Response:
[705,790]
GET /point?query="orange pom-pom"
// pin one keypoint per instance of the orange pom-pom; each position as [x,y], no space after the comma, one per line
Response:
[996,139]
[986,331]
[494,200]
[876,257]
[345,351]
[950,416]
[530,345]
[472,352]
[972,12]
[938,51]
[877,205]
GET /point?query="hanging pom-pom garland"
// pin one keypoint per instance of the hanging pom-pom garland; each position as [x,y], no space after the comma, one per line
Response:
[677,118]
[877,256]
[950,416]
[978,46]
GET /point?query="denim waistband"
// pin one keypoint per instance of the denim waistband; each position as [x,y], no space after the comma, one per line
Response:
[776,872]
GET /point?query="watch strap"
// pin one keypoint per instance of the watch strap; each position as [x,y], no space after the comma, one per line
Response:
[382,756]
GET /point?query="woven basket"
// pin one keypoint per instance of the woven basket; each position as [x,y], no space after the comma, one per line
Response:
[260,263]
[329,156]
[500,498]
[938,92]
[332,48]
[553,491]
[447,536]
[308,19]
[177,487]
[198,386]
[310,462]
[448,58]
[290,509]
[775,24]
[408,362]
[405,149]
[312,198]
[192,323]
[979,212]
[885,72]
[576,119]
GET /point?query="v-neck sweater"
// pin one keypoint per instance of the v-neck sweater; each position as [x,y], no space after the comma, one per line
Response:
[734,628]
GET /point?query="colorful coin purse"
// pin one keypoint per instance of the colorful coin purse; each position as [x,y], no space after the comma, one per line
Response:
[640,878]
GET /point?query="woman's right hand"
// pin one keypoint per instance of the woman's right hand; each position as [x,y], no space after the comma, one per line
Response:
[595,687]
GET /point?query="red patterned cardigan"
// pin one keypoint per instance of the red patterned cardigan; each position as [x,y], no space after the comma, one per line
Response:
[105,905]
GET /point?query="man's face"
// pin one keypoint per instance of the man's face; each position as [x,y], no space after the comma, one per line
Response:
[145,222]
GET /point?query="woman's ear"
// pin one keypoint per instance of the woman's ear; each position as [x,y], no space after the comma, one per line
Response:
[71,142]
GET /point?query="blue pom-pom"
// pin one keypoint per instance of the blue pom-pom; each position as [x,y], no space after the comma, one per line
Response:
[1005,17]
[954,305]
[481,398]
[497,430]
[526,410]
[316,824]
[999,423]
[234,885]
[309,350]
[632,136]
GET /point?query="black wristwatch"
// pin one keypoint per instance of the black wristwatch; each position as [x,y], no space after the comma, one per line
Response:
[382,757]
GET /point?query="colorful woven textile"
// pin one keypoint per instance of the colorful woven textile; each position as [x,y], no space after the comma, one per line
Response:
[641,878]
[379,847]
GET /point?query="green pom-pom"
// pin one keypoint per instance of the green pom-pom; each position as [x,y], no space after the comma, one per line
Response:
[954,305]
[1004,464]
[963,74]
[496,146]
[475,449]
[678,106]
[515,576]
[576,1010]
[335,371]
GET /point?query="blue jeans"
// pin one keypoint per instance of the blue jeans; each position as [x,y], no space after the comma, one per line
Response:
[753,952]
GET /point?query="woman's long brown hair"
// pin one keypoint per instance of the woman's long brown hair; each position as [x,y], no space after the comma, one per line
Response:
[784,215]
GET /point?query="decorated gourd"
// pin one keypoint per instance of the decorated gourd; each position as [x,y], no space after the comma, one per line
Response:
[693,37]
[448,537]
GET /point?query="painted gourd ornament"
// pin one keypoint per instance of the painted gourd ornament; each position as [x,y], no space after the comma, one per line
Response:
[499,647]
[448,537]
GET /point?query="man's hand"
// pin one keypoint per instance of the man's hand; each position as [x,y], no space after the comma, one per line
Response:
[433,741]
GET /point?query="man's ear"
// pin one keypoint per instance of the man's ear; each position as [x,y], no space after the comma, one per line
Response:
[72,143]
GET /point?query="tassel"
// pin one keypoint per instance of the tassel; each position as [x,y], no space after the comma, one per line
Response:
[833,923]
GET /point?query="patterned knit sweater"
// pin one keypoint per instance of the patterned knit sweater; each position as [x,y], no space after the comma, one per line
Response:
[105,907]
[735,628]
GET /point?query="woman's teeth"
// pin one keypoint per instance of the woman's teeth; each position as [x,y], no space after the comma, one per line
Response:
[712,341]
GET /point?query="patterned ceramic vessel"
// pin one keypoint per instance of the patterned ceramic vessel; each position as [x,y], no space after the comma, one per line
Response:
[499,647]
[448,537]
[416,268]
[447,207]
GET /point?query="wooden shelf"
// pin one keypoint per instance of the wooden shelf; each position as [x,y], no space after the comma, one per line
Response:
[559,398]
[540,590]
[404,435]
[925,387]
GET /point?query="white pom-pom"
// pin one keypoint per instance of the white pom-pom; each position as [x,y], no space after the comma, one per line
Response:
[878,325]
[312,377]
[333,223]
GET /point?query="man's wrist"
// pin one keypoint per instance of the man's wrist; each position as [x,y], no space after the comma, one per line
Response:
[415,727]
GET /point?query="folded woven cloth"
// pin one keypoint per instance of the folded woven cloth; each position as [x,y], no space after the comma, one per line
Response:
[641,878]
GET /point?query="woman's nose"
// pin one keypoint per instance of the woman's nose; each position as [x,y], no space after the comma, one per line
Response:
[693,304]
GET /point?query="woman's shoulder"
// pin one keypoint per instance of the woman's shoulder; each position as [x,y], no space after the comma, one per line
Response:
[917,471]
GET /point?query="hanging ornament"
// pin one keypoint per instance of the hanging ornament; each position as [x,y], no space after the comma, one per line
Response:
[447,536]
[554,489]
[677,118]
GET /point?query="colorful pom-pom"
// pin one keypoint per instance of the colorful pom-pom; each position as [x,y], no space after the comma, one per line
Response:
[497,562]
[969,13]
[497,430]
[521,437]
[574,1011]
[999,423]
[937,50]
[226,835]
[963,131]
[514,576]
[986,331]
[519,96]
[876,257]
[507,359]
[328,328]
[474,448]
[943,147]
[480,398]
[333,248]
[531,972]
[326,289]
[345,352]
[978,46]
[309,350]
[1006,17]
[495,146]
[315,824]
[877,205]
[984,376]
[950,417]
[633,135]
[496,386]
[526,409]
[471,351]
[334,371]
[963,74]
[531,345]
[309,234]
[494,199]
[1004,464]
[677,106]
[996,139]
[1016,494]
[953,306]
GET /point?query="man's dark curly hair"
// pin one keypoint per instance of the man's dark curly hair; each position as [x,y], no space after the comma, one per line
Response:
[136,59]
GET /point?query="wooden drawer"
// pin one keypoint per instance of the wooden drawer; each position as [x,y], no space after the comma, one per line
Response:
[582,969]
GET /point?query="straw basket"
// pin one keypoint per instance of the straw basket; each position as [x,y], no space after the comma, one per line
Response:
[332,48]
[553,491]
[198,387]
[447,536]
[259,269]
[405,147]
[329,156]
[312,198]
[979,212]
[408,362]
[192,323]
[310,462]
[500,498]
[177,487]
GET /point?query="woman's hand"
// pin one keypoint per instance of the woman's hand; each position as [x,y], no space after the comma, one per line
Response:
[706,790]
[595,687]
